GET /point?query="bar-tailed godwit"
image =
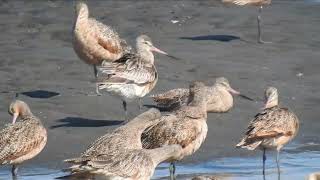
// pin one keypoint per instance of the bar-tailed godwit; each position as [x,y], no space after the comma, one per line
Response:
[119,154]
[94,41]
[132,76]
[271,129]
[186,126]
[23,140]
[219,97]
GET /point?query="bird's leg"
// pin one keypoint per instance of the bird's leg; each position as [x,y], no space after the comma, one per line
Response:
[97,90]
[172,170]
[14,170]
[95,70]
[124,104]
[264,158]
[259,19]
[140,104]
[278,160]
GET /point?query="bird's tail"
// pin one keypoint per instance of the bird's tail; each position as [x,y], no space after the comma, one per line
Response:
[79,169]
[106,68]
[248,145]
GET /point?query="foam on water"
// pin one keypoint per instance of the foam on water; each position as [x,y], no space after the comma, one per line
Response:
[295,164]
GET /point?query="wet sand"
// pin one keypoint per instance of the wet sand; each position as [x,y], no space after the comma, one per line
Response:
[211,39]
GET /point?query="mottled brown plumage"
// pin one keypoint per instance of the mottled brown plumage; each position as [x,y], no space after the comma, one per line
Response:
[119,154]
[219,97]
[186,126]
[23,140]
[272,128]
[94,41]
[133,75]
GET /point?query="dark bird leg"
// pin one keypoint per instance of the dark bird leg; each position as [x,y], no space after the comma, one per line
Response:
[14,170]
[124,104]
[264,158]
[259,27]
[278,165]
[95,70]
[97,90]
[140,104]
[172,170]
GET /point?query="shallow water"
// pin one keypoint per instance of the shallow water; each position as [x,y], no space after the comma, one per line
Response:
[296,163]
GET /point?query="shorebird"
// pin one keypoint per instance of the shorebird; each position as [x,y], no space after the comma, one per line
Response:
[23,140]
[94,41]
[219,97]
[260,4]
[132,76]
[119,154]
[271,129]
[186,126]
[313,176]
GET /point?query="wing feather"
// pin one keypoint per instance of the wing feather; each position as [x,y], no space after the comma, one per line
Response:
[129,71]
[107,37]
[169,131]
[19,139]
[270,123]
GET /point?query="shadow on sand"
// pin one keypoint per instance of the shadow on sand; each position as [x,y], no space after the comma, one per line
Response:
[82,122]
[41,94]
[222,38]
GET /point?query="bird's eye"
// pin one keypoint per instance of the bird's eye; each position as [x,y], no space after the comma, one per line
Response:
[147,43]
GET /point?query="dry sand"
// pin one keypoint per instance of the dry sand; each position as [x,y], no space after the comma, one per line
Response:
[211,39]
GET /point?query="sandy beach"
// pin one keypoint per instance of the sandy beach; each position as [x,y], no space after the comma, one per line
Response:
[211,39]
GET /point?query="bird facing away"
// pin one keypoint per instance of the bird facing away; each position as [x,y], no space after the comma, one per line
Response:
[260,4]
[219,97]
[271,129]
[119,154]
[23,140]
[94,41]
[186,126]
[133,75]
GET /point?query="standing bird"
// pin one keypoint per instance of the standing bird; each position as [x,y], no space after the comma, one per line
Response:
[94,41]
[119,154]
[21,141]
[186,126]
[259,3]
[132,76]
[270,129]
[219,97]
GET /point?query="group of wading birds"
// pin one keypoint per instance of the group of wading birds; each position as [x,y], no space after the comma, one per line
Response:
[133,150]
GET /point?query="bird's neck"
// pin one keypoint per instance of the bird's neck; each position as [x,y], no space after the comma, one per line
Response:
[146,56]
[271,104]
[272,101]
[81,18]
[199,100]
[25,112]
